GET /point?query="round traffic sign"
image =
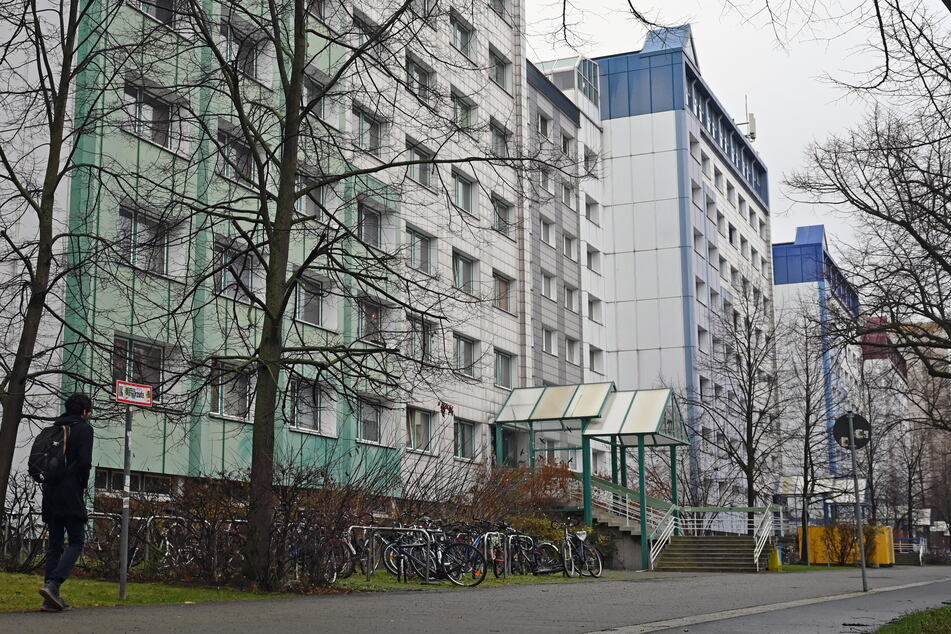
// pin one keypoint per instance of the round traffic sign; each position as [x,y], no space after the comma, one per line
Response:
[861,427]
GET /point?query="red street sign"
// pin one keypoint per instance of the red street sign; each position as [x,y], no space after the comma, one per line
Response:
[133,393]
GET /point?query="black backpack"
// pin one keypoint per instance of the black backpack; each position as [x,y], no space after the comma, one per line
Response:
[47,463]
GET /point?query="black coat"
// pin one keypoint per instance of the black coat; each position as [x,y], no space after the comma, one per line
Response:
[65,498]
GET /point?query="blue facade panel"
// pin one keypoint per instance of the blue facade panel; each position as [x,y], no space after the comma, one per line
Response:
[634,84]
[794,264]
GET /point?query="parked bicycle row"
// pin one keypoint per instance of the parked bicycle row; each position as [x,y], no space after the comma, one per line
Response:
[409,547]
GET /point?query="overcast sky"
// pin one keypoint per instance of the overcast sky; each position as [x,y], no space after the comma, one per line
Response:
[784,76]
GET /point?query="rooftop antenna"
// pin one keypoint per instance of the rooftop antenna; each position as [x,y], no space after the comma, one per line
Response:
[750,122]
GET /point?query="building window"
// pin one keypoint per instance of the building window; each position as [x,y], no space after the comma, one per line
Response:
[237,161]
[502,216]
[306,405]
[310,300]
[544,126]
[242,51]
[499,69]
[500,139]
[234,273]
[143,241]
[595,360]
[418,429]
[461,35]
[371,320]
[139,481]
[463,273]
[548,232]
[499,6]
[369,132]
[568,196]
[422,337]
[548,286]
[544,179]
[231,392]
[420,251]
[323,105]
[464,436]
[465,355]
[137,362]
[368,422]
[594,260]
[592,212]
[312,200]
[462,111]
[594,309]
[462,192]
[570,247]
[571,299]
[572,351]
[150,117]
[504,370]
[419,80]
[567,145]
[503,292]
[422,171]
[370,226]
[549,341]
[161,10]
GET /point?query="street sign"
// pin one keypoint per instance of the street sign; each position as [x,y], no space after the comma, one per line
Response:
[130,394]
[133,393]
[863,430]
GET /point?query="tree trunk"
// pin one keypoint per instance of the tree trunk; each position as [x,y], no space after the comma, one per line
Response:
[271,348]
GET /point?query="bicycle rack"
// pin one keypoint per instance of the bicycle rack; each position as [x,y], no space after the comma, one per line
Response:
[504,542]
[371,531]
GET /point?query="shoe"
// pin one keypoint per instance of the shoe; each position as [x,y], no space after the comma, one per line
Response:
[49,606]
[50,593]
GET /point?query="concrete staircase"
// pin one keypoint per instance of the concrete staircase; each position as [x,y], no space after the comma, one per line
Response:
[908,559]
[629,527]
[726,553]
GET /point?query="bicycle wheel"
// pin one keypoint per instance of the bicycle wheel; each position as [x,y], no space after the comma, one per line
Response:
[546,559]
[593,561]
[463,565]
[391,557]
[567,560]
[363,554]
[325,564]
[344,557]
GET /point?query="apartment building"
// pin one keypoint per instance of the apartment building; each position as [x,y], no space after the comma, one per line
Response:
[569,338]
[189,280]
[687,225]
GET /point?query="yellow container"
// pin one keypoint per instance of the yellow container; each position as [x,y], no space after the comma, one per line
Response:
[826,541]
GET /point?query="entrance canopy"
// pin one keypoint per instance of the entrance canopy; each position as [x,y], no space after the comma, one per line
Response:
[634,417]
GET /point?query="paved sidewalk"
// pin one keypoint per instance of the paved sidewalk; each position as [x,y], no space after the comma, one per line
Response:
[569,608]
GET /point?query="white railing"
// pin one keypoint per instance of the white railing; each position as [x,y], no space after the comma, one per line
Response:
[661,535]
[763,532]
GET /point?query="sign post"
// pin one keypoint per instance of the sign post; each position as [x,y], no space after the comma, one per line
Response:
[130,394]
[859,432]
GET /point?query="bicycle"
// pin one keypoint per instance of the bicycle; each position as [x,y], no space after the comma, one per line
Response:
[577,555]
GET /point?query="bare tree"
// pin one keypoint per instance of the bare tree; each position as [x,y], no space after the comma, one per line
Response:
[805,351]
[740,403]
[889,176]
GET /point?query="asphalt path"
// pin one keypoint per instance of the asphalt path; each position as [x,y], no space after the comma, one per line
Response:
[640,602]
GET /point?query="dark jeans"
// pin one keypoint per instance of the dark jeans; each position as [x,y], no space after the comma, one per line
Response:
[60,562]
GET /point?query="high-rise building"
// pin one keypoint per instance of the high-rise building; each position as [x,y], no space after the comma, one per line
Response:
[686,209]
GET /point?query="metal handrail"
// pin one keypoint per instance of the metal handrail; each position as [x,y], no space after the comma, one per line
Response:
[763,532]
[666,526]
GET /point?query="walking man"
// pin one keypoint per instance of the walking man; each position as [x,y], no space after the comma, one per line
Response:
[64,507]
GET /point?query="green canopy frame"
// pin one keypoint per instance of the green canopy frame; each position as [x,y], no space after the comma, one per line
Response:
[601,413]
